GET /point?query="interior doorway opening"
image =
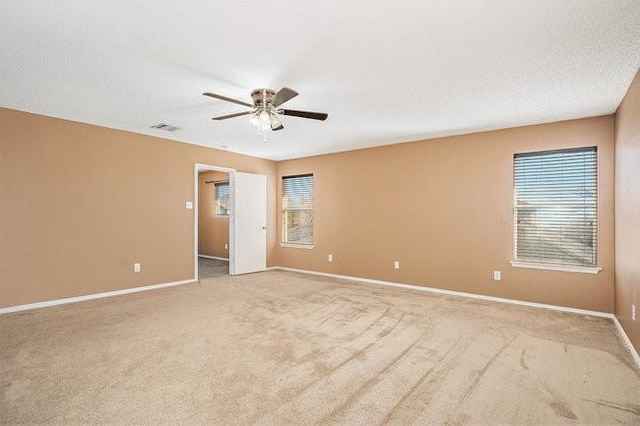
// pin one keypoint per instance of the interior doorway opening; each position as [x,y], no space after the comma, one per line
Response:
[213,221]
[214,211]
[247,219]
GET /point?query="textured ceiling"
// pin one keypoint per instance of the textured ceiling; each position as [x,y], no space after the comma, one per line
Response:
[386,72]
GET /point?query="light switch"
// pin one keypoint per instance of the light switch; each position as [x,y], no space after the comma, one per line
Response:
[189,205]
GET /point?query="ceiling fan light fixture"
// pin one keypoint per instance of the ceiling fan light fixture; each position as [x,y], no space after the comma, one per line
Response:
[276,124]
[264,117]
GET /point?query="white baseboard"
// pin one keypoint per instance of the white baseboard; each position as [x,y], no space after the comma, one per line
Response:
[623,335]
[91,297]
[206,256]
[625,339]
[453,293]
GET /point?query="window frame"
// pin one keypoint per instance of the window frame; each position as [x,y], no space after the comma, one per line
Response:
[558,265]
[284,210]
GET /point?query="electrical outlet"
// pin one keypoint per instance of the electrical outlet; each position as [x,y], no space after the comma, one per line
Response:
[329,258]
[633,312]
[396,264]
[188,205]
[497,275]
[226,246]
[137,267]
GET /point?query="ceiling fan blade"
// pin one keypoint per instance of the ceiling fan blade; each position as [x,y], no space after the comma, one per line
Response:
[283,96]
[237,114]
[305,114]
[224,98]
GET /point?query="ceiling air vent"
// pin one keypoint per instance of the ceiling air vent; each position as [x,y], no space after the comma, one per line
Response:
[166,127]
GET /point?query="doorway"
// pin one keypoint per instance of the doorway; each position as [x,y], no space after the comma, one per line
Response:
[246,216]
[213,223]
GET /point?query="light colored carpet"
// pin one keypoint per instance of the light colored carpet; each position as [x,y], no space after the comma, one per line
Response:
[284,348]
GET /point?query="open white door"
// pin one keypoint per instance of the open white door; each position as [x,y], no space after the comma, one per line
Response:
[248,235]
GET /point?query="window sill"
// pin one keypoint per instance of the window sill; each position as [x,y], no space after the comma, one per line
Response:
[298,246]
[553,267]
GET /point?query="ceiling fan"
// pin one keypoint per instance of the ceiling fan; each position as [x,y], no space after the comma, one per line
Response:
[265,109]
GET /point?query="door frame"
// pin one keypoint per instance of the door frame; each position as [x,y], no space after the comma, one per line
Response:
[201,167]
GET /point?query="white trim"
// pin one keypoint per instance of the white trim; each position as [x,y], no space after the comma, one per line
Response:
[55,302]
[623,335]
[206,256]
[298,246]
[553,267]
[454,293]
[628,344]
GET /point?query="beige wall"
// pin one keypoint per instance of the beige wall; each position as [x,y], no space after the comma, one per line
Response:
[627,207]
[81,204]
[443,208]
[213,231]
[87,202]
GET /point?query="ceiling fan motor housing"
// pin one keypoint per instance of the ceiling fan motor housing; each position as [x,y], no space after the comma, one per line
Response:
[260,95]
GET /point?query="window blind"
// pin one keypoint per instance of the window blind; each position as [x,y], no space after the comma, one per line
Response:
[297,209]
[222,199]
[555,206]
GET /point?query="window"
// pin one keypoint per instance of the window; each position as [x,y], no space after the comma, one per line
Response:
[222,199]
[555,211]
[297,209]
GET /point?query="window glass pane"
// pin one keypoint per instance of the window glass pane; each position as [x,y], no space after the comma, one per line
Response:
[297,209]
[555,212]
[222,199]
[298,192]
[298,226]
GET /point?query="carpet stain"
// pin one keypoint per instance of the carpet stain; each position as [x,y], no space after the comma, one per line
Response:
[321,367]
[629,408]
[423,391]
[368,384]
[462,419]
[406,396]
[322,306]
[358,354]
[284,352]
[329,315]
[15,390]
[523,364]
[484,369]
[561,409]
[373,324]
[388,331]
